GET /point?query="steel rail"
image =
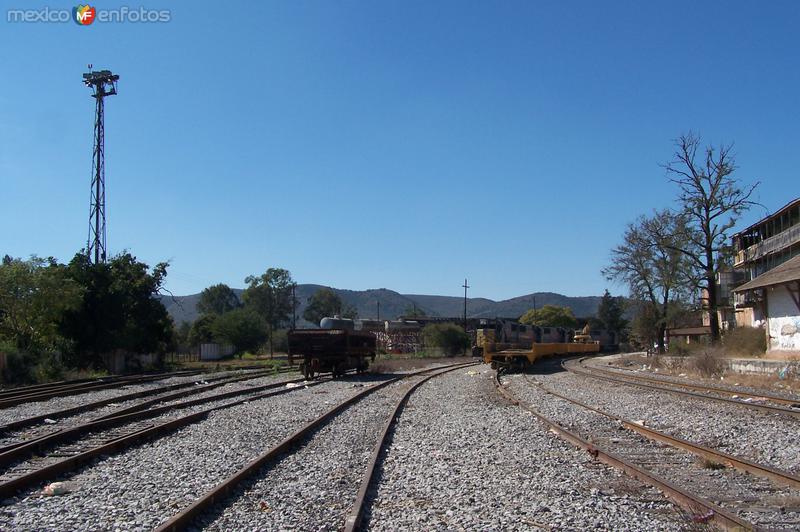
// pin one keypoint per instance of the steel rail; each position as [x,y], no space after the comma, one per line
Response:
[6,393]
[37,445]
[773,409]
[184,518]
[691,502]
[353,520]
[699,387]
[58,414]
[75,390]
[9,488]
[783,477]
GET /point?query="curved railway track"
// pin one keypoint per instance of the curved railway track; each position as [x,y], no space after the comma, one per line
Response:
[206,503]
[64,450]
[683,389]
[730,499]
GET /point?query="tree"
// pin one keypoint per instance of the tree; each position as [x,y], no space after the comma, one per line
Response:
[712,201]
[202,330]
[34,295]
[118,310]
[550,316]
[217,299]
[326,303]
[270,295]
[610,312]
[448,337]
[243,328]
[413,311]
[649,262]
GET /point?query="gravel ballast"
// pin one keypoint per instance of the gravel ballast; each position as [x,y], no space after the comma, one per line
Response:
[758,436]
[144,486]
[463,459]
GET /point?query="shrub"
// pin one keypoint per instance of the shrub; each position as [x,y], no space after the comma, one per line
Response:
[747,341]
[19,367]
[449,338]
[708,363]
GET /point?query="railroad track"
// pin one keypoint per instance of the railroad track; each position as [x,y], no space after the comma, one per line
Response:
[64,450]
[211,382]
[683,389]
[19,396]
[222,491]
[731,499]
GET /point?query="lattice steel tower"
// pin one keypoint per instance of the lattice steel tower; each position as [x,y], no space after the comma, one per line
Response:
[103,83]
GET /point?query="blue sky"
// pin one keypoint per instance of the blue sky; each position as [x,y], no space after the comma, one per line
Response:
[404,145]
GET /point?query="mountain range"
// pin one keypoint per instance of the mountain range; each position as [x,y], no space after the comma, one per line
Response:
[394,304]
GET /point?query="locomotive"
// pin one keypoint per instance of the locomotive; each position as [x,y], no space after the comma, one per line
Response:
[335,348]
[510,345]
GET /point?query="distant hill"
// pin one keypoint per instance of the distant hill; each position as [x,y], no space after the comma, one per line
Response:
[393,304]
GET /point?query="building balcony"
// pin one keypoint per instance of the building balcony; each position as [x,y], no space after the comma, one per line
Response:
[772,244]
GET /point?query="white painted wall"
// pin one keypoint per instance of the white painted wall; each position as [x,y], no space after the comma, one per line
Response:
[783,321]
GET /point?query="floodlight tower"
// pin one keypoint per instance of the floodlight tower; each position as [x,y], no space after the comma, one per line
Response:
[103,83]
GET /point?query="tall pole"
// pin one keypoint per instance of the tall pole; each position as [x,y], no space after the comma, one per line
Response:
[294,307]
[379,311]
[465,285]
[102,83]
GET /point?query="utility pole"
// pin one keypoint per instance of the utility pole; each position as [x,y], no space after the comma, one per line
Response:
[465,285]
[379,310]
[294,307]
[103,83]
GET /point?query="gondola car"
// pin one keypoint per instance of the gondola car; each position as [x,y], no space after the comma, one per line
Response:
[335,348]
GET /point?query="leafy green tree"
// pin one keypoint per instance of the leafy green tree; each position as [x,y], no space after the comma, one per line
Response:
[201,331]
[610,312]
[242,327]
[270,295]
[326,303]
[34,295]
[550,316]
[118,310]
[413,311]
[712,201]
[448,337]
[657,274]
[217,299]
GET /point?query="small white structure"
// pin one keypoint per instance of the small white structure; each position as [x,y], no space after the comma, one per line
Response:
[777,293]
[215,351]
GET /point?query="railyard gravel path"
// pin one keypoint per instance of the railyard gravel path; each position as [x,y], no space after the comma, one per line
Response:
[144,486]
[765,438]
[463,459]
[758,500]
[314,488]
[460,459]
[23,411]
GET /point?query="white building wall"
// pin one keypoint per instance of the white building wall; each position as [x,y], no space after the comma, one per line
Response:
[783,321]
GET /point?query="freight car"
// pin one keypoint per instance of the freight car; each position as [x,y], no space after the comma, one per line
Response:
[546,341]
[335,348]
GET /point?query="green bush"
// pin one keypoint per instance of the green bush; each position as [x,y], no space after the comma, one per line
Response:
[449,338]
[19,367]
[746,341]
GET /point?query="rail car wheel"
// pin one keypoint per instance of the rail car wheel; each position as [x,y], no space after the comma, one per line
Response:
[308,373]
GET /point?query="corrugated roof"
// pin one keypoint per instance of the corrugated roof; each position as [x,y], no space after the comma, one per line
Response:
[788,271]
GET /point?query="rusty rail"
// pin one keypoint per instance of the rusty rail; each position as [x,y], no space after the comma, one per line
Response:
[631,381]
[214,382]
[699,387]
[353,521]
[10,487]
[783,477]
[183,519]
[719,516]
